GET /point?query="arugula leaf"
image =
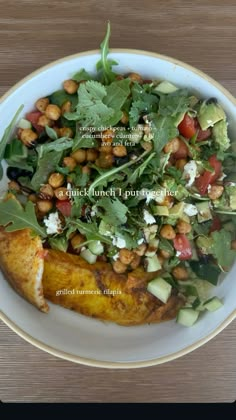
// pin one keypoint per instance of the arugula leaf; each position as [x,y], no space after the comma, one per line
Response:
[115,211]
[58,145]
[117,93]
[209,271]
[84,140]
[60,97]
[163,129]
[166,245]
[143,103]
[221,248]
[14,217]
[174,103]
[90,230]
[104,65]
[59,243]
[6,136]
[81,75]
[46,164]
[132,178]
[52,134]
[176,174]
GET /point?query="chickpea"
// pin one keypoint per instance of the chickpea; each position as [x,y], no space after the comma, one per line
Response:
[42,104]
[164,254]
[167,232]
[168,201]
[183,227]
[28,137]
[13,185]
[33,198]
[180,273]
[61,193]
[76,241]
[135,77]
[86,170]
[108,135]
[215,192]
[92,155]
[66,132]
[70,86]
[46,192]
[79,155]
[56,180]
[66,107]
[119,77]
[53,112]
[44,206]
[124,118]
[233,244]
[136,262]
[119,151]
[180,164]
[70,163]
[119,267]
[43,121]
[140,250]
[104,160]
[106,148]
[126,256]
[172,146]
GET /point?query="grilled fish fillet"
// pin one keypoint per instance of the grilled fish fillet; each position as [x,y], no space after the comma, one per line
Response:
[21,260]
[96,291]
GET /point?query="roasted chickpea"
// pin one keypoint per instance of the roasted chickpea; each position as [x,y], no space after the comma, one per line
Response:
[44,206]
[42,104]
[66,107]
[167,232]
[164,254]
[215,192]
[119,267]
[86,170]
[66,132]
[108,135]
[13,185]
[56,180]
[135,262]
[124,118]
[79,155]
[104,160]
[172,146]
[61,193]
[126,256]
[53,112]
[140,250]
[43,121]
[106,148]
[28,137]
[70,86]
[180,273]
[92,155]
[119,77]
[119,151]
[183,227]
[233,244]
[46,192]
[135,77]
[33,198]
[180,164]
[70,163]
[76,241]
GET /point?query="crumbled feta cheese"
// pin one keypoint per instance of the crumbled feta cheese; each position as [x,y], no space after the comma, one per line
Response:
[119,242]
[141,241]
[83,248]
[190,210]
[53,223]
[69,186]
[94,211]
[148,218]
[150,232]
[178,253]
[209,188]
[116,256]
[190,172]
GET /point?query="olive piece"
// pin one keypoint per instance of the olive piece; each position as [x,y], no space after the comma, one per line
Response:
[121,160]
[211,101]
[14,173]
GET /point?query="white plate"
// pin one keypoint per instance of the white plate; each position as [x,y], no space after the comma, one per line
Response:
[73,336]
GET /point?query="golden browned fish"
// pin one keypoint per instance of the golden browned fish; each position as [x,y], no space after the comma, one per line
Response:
[21,260]
[96,291]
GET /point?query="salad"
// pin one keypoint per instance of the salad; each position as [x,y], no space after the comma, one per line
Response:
[134,172]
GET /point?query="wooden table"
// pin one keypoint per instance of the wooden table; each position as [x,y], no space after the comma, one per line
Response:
[33,33]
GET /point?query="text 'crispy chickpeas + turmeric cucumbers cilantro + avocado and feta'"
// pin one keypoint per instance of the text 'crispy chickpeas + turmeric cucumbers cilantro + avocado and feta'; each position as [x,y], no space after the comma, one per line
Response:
[135,172]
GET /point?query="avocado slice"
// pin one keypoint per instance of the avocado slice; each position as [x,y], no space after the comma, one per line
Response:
[220,135]
[231,192]
[160,211]
[209,114]
[177,210]
[204,212]
[166,87]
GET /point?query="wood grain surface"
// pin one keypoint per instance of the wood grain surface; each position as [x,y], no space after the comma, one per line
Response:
[33,33]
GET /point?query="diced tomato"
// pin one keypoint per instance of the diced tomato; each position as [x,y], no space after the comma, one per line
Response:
[216,224]
[183,246]
[182,152]
[33,118]
[64,206]
[203,181]
[187,127]
[202,134]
